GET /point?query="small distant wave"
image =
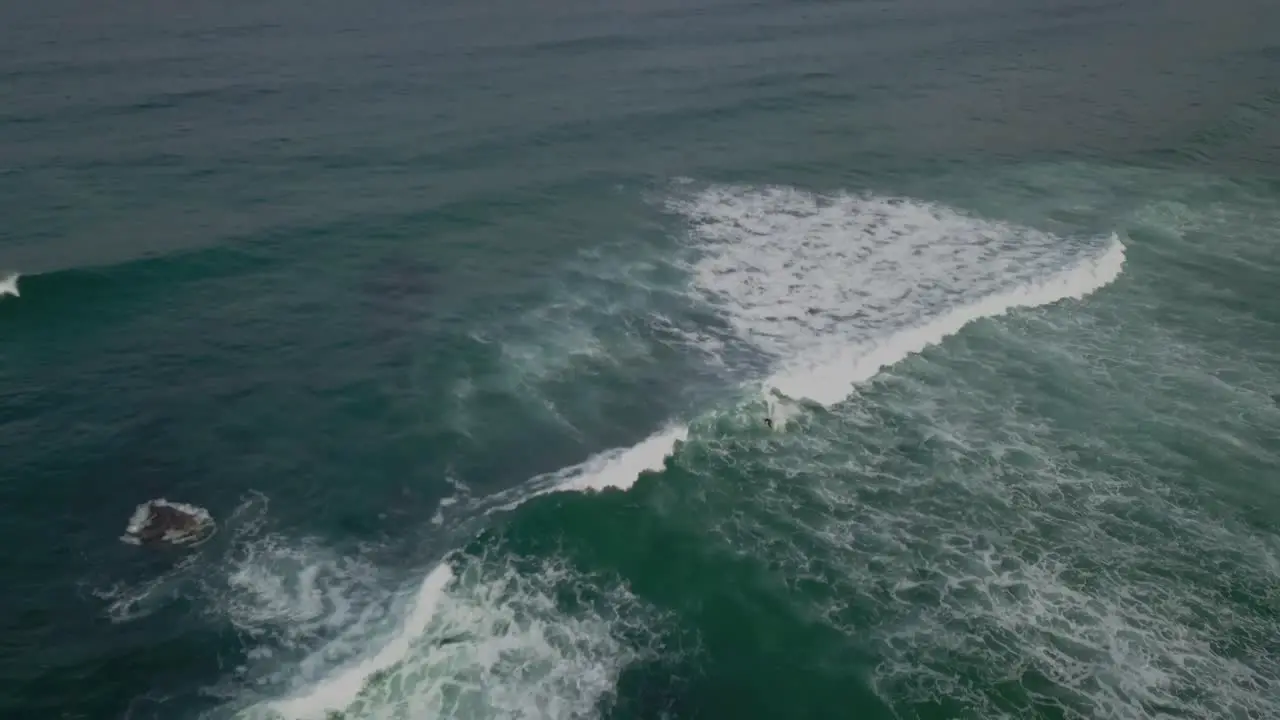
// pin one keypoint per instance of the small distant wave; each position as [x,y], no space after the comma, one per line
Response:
[93,281]
[9,285]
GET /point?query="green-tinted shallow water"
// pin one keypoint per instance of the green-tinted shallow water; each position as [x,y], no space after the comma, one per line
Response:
[463,320]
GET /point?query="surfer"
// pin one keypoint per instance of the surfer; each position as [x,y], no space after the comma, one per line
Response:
[451,639]
[768,421]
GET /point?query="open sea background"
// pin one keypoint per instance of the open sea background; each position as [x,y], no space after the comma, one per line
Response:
[462,319]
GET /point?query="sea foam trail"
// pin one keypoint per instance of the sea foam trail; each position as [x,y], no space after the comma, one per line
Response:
[835,287]
[829,376]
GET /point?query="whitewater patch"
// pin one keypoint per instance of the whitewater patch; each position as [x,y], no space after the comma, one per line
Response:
[836,287]
[485,635]
[829,374]
[617,468]
[338,691]
[9,285]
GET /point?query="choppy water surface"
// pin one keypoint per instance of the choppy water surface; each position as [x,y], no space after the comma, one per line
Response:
[463,322]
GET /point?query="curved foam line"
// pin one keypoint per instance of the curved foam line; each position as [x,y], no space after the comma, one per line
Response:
[340,689]
[831,376]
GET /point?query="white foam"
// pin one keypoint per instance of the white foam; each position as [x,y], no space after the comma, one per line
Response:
[507,647]
[487,639]
[127,602]
[341,688]
[617,468]
[449,610]
[461,492]
[9,285]
[620,468]
[311,616]
[828,375]
[780,410]
[296,593]
[837,287]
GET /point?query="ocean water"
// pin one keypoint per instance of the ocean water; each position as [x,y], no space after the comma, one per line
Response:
[463,321]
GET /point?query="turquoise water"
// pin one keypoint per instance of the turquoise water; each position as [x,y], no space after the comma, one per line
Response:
[463,321]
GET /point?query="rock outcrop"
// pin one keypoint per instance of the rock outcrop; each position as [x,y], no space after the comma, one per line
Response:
[170,523]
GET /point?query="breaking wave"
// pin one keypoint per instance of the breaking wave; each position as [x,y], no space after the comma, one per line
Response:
[834,288]
[9,285]
[828,288]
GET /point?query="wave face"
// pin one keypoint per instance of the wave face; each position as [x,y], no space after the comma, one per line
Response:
[961,503]
[824,290]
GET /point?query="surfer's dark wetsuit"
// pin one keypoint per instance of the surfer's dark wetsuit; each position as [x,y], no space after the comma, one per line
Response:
[768,421]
